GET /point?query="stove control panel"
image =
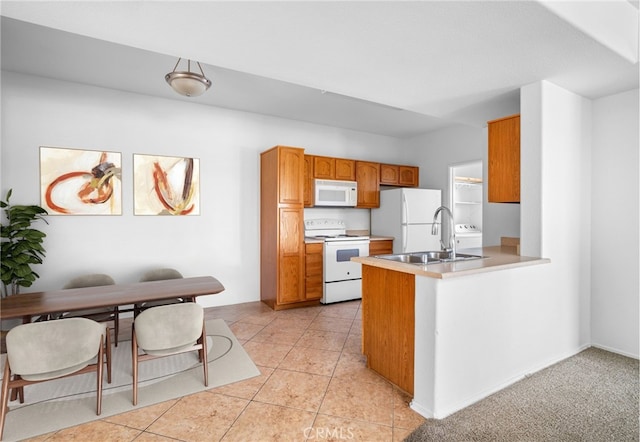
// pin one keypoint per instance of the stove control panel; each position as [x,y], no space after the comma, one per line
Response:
[467,228]
[324,223]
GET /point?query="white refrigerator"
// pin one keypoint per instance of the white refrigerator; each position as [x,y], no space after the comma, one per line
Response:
[407,216]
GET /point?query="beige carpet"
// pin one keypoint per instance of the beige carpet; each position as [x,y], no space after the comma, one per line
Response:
[161,379]
[592,396]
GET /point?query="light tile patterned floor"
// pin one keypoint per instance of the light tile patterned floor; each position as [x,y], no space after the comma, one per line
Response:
[314,385]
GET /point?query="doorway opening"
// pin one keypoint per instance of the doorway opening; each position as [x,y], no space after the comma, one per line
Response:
[465,201]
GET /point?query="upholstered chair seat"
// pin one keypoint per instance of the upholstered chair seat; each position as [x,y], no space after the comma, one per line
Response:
[42,351]
[167,330]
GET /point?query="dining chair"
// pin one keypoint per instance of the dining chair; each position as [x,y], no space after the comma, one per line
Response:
[42,351]
[159,275]
[168,330]
[106,314]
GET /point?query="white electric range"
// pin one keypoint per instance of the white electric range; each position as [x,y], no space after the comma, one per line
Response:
[342,278]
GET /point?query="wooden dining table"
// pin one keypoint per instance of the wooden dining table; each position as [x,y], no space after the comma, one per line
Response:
[29,305]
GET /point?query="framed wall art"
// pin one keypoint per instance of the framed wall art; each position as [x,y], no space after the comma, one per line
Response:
[80,182]
[164,185]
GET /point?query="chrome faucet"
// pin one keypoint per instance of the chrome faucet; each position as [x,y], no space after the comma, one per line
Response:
[452,230]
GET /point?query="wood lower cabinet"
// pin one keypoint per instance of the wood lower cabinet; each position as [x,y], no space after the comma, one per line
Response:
[504,160]
[290,264]
[368,179]
[380,247]
[388,324]
[282,248]
[313,271]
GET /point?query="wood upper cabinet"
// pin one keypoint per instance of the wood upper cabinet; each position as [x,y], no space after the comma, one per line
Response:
[504,160]
[282,247]
[290,175]
[313,271]
[395,175]
[389,174]
[368,179]
[309,186]
[329,168]
[324,168]
[408,176]
[345,169]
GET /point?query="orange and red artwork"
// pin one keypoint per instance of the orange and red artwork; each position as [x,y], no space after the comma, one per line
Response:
[80,182]
[166,185]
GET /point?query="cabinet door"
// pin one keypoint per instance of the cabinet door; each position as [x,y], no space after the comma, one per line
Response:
[324,168]
[291,175]
[408,176]
[389,174]
[368,178]
[381,247]
[291,256]
[345,169]
[309,187]
[504,160]
[313,271]
[394,175]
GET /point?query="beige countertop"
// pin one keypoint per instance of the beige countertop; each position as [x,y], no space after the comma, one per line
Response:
[495,258]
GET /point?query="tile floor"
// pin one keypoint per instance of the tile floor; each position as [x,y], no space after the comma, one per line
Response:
[314,385]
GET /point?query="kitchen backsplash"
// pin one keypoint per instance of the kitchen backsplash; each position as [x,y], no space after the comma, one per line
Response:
[355,219]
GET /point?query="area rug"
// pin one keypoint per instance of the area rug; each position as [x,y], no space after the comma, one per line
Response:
[63,403]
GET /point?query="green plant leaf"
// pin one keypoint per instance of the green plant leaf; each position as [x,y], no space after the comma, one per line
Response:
[21,243]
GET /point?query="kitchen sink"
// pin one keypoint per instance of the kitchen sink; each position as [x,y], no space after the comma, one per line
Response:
[430,257]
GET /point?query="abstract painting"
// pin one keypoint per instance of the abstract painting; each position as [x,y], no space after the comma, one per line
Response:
[80,182]
[166,185]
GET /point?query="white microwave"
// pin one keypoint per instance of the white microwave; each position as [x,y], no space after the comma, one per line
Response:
[334,193]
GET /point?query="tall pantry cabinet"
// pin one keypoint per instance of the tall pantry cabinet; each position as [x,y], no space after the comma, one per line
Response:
[282,245]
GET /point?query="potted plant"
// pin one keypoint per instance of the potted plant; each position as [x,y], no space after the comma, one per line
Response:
[21,245]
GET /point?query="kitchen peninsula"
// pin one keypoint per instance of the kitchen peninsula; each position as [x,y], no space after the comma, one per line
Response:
[452,333]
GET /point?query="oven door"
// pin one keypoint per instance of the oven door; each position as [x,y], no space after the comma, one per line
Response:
[337,259]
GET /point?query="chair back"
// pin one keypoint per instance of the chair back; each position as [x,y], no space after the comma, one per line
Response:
[167,328]
[92,280]
[50,349]
[160,275]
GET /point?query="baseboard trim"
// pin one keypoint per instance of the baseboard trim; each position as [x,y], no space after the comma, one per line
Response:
[488,392]
[615,350]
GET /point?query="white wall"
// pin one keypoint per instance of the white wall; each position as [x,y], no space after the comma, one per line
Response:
[614,236]
[556,150]
[435,151]
[223,241]
[580,205]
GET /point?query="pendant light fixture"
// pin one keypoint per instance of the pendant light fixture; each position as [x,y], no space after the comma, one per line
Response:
[190,84]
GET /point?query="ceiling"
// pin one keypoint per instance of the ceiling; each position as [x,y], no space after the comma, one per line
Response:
[389,67]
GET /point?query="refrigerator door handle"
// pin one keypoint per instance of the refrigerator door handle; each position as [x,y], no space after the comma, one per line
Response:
[405,209]
[405,238]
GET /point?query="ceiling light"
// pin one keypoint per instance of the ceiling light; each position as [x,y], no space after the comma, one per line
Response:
[188,83]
